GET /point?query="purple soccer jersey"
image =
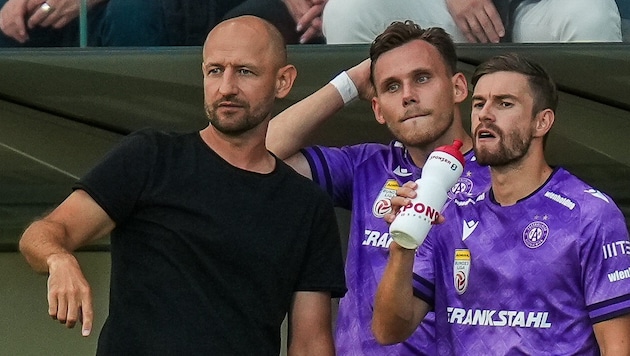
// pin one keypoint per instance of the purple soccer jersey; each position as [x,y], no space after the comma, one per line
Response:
[528,279]
[363,178]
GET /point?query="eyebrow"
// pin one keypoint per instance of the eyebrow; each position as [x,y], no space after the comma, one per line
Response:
[494,97]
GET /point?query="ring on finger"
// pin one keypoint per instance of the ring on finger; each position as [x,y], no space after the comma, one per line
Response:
[45,7]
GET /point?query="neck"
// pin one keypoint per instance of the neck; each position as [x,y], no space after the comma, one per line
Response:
[246,151]
[516,181]
[419,154]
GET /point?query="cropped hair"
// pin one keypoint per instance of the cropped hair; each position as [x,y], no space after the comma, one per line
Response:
[400,33]
[542,86]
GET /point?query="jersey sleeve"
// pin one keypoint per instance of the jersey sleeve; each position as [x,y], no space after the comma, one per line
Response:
[605,252]
[333,170]
[424,270]
[116,182]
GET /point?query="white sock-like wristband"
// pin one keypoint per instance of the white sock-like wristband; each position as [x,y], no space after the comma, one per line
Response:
[345,86]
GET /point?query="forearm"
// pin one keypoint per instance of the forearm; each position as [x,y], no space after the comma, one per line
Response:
[289,131]
[395,308]
[42,242]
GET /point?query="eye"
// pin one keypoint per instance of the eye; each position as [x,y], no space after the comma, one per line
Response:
[392,87]
[245,71]
[422,79]
[214,70]
[478,105]
[506,104]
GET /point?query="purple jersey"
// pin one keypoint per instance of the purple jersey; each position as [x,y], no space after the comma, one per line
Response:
[363,178]
[528,279]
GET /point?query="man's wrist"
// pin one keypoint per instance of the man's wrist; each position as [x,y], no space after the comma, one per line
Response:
[345,86]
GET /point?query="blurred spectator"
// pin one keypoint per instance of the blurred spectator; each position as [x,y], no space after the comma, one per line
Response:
[360,21]
[35,23]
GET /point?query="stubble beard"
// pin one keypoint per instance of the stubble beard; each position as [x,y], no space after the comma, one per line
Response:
[511,148]
[233,125]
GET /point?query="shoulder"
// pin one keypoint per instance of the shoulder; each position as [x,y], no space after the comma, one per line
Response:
[358,152]
[571,191]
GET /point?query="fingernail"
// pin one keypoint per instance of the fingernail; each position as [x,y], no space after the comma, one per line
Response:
[85,332]
[302,40]
[298,28]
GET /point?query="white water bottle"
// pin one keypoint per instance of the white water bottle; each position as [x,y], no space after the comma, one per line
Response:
[440,172]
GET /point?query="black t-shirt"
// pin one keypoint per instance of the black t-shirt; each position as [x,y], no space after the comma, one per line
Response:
[205,256]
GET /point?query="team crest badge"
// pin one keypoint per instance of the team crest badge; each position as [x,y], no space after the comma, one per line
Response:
[383,204]
[463,186]
[461,270]
[535,234]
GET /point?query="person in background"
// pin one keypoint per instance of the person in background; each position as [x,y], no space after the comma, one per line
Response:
[536,264]
[485,21]
[203,262]
[415,90]
[141,23]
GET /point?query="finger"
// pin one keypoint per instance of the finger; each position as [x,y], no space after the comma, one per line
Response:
[308,35]
[495,20]
[39,16]
[87,315]
[72,314]
[61,23]
[52,305]
[406,192]
[489,32]
[411,185]
[305,20]
[62,310]
[477,30]
[389,218]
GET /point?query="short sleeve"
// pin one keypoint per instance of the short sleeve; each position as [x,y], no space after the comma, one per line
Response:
[117,181]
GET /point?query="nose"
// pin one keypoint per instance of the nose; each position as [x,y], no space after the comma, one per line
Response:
[228,84]
[485,112]
[409,96]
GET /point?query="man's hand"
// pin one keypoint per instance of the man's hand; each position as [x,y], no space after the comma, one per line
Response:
[69,294]
[478,20]
[404,195]
[60,13]
[360,75]
[308,17]
[13,19]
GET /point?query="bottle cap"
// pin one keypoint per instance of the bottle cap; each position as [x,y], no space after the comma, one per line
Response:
[453,150]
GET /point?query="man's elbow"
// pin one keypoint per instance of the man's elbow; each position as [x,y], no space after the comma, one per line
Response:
[387,336]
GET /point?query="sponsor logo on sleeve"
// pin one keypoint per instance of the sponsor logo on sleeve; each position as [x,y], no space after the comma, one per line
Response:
[617,248]
[619,275]
[461,270]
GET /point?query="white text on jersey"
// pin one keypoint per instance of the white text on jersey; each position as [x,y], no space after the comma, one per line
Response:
[487,317]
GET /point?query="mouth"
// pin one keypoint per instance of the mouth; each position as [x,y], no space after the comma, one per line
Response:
[418,116]
[485,134]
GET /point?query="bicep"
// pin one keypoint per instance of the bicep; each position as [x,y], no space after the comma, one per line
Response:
[82,219]
[299,163]
[613,335]
[310,323]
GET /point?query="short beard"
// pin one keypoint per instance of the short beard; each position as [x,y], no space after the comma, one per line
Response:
[236,129]
[512,147]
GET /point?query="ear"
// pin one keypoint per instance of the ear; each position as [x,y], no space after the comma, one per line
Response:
[284,80]
[376,107]
[544,121]
[460,88]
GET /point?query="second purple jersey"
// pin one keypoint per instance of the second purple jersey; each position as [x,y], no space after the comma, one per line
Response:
[526,279]
[363,178]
